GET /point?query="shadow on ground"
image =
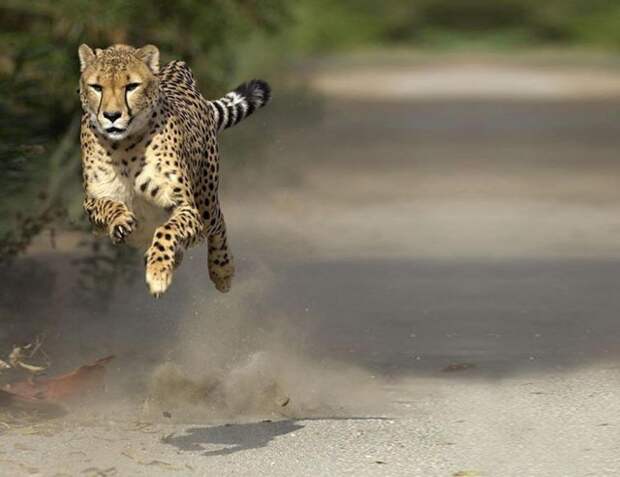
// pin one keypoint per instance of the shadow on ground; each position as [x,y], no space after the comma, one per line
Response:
[398,317]
[235,438]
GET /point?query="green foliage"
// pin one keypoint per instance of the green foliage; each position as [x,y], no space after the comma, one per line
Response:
[529,22]
[325,25]
[39,161]
[220,38]
[331,24]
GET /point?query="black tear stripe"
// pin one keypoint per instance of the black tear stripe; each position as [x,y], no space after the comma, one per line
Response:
[99,105]
[127,106]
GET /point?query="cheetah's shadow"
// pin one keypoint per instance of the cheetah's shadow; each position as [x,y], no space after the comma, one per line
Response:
[240,437]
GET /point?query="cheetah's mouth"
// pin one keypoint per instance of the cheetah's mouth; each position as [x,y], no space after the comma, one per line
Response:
[116,134]
[115,130]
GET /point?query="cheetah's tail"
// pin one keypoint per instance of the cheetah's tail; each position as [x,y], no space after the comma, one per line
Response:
[240,103]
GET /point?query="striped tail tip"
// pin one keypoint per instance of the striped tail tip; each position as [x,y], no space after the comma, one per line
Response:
[237,105]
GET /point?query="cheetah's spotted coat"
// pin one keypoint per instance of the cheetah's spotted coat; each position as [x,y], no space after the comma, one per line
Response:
[150,157]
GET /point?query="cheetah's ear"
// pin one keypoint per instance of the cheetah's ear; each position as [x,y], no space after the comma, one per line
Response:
[86,55]
[150,55]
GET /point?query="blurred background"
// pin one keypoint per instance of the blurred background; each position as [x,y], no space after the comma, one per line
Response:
[458,133]
[415,151]
[226,42]
[434,188]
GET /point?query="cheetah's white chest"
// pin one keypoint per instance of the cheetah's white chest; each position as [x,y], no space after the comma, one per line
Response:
[150,210]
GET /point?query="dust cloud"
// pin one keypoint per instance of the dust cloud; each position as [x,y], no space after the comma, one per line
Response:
[236,359]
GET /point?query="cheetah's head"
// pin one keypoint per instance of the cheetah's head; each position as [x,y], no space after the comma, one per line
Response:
[119,87]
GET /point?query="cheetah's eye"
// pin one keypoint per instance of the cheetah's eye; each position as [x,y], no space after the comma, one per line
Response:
[131,86]
[96,87]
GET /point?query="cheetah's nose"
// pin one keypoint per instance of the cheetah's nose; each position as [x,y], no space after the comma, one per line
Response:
[113,116]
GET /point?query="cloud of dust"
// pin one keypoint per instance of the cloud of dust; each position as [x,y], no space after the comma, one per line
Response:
[237,358]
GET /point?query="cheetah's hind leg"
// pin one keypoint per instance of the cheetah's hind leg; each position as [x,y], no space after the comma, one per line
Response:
[221,268]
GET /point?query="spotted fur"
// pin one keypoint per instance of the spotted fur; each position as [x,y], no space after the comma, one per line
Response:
[150,157]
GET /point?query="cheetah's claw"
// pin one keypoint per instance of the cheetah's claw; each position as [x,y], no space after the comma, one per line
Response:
[122,227]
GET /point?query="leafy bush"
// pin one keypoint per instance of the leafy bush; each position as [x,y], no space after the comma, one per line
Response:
[39,108]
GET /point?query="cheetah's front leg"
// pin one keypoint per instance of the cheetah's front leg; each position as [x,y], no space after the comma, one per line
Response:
[112,216]
[170,240]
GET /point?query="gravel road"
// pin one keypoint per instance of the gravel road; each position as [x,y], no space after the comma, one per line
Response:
[427,286]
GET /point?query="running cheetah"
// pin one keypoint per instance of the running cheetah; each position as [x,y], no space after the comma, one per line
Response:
[150,157]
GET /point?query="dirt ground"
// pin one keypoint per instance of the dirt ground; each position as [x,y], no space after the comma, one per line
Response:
[427,273]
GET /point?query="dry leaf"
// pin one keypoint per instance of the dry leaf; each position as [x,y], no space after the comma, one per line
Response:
[85,379]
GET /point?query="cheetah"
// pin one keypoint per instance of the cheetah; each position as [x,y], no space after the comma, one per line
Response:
[150,160]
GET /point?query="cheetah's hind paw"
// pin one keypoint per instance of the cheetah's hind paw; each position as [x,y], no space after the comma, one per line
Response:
[222,277]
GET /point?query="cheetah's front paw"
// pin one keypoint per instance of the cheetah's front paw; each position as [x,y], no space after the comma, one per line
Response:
[158,277]
[121,227]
